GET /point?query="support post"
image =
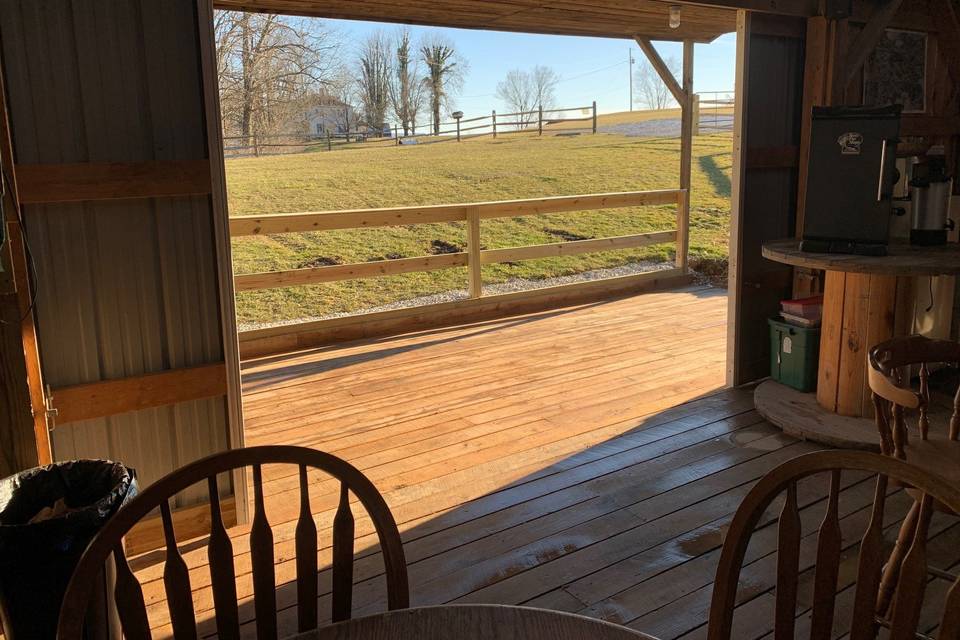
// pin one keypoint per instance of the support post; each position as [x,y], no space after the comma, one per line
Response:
[458,129]
[594,116]
[540,121]
[473,252]
[329,142]
[686,153]
[493,119]
[696,114]
[24,438]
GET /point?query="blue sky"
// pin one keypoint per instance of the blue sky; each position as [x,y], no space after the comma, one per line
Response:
[590,68]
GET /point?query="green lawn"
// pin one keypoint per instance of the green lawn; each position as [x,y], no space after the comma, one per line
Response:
[512,166]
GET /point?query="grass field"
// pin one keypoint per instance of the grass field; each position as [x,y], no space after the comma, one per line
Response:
[512,166]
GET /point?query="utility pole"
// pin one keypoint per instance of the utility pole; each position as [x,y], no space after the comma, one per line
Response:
[630,72]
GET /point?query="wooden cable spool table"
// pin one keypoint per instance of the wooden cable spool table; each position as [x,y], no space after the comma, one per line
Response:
[474,622]
[866,300]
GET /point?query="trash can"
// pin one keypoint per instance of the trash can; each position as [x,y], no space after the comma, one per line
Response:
[794,352]
[48,516]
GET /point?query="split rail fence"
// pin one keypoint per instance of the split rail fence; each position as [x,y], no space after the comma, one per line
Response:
[472,256]
[554,121]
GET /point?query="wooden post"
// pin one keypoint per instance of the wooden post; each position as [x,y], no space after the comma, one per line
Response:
[540,121]
[329,142]
[458,129]
[594,116]
[24,438]
[686,153]
[473,252]
[493,119]
[696,114]
[396,134]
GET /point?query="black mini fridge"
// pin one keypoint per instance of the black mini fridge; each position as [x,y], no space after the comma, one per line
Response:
[850,180]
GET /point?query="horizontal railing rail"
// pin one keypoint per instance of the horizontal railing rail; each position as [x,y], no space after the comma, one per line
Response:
[472,256]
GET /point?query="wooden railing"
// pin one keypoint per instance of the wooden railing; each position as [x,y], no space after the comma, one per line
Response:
[472,256]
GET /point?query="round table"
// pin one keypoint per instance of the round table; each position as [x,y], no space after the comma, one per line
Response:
[474,622]
[866,300]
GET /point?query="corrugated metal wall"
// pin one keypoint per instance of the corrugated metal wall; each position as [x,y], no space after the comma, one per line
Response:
[124,287]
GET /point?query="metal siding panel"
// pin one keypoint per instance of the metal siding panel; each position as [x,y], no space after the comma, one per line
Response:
[124,287]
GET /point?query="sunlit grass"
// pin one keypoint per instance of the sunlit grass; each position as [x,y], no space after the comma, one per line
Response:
[483,169]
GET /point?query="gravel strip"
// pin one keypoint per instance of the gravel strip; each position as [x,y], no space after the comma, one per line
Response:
[517,284]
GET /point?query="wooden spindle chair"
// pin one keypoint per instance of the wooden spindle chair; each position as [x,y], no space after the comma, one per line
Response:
[890,365]
[864,622]
[128,594]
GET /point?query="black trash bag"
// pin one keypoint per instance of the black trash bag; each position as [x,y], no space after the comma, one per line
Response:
[48,516]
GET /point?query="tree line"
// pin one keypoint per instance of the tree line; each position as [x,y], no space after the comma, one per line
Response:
[274,69]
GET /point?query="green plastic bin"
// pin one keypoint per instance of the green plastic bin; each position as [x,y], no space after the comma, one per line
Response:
[793,354]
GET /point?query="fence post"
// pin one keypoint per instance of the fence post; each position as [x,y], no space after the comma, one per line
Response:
[396,135]
[458,129]
[696,114]
[473,252]
[493,119]
[594,116]
[540,121]
[329,142]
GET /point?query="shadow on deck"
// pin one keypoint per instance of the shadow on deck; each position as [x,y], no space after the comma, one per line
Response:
[586,460]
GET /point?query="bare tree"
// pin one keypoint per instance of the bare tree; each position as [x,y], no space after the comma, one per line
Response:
[527,91]
[517,92]
[407,87]
[373,80]
[651,92]
[445,73]
[268,65]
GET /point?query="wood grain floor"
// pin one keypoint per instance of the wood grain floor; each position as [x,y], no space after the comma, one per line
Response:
[585,459]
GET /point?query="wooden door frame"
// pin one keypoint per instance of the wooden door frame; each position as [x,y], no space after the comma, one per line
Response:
[16,260]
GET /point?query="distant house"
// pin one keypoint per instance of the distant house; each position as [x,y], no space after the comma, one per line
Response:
[329,115]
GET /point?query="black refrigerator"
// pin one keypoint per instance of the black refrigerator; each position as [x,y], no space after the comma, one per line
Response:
[850,179]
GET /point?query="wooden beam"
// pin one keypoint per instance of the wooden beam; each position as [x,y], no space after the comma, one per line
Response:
[286,338]
[799,8]
[866,41]
[686,158]
[26,439]
[76,182]
[394,216]
[111,397]
[947,18]
[662,70]
[576,247]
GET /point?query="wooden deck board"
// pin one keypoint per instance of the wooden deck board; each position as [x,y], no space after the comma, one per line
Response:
[585,459]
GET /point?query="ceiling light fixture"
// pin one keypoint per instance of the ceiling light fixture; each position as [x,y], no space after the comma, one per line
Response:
[674,16]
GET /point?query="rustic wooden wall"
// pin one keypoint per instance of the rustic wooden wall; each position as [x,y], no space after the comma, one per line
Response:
[766,139]
[127,286]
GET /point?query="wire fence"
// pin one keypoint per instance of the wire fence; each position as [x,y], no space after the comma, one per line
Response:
[560,121]
[714,111]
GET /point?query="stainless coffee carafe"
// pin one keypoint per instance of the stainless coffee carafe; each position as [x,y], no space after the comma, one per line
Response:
[930,190]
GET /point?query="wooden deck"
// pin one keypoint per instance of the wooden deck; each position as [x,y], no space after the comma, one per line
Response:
[585,459]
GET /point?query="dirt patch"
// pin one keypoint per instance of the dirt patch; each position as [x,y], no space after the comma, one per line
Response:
[393,255]
[322,261]
[569,236]
[711,270]
[438,247]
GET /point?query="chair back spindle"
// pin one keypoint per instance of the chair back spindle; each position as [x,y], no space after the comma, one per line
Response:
[788,567]
[223,578]
[342,601]
[306,544]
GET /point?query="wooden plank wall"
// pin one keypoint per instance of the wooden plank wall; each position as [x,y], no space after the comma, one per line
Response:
[767,132]
[127,284]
